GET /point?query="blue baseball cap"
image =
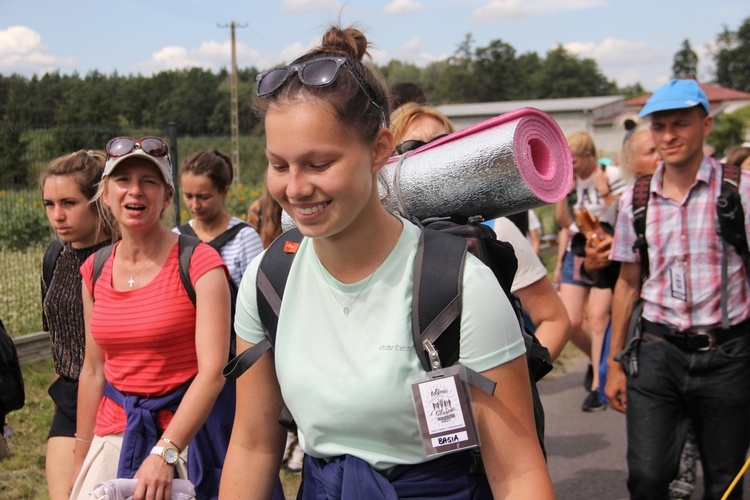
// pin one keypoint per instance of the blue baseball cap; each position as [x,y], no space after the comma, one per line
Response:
[677,94]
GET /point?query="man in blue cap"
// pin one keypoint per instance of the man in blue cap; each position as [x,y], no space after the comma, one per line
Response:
[693,362]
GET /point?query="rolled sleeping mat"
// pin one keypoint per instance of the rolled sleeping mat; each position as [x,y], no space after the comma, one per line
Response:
[504,165]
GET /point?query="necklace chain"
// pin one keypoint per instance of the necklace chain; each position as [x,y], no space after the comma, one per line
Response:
[347,309]
[131,281]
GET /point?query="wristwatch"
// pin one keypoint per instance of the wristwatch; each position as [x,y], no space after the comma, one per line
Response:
[169,454]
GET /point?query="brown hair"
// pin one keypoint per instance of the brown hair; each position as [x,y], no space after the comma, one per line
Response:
[215,165]
[403,117]
[85,168]
[270,219]
[345,94]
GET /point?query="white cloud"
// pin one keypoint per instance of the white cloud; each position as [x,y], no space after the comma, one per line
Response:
[22,52]
[304,6]
[210,55]
[410,52]
[627,61]
[510,10]
[403,7]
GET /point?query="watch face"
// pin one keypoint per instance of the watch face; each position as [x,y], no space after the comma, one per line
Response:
[171,455]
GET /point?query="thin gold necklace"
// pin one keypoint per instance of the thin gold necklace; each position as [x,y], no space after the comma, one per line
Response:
[347,309]
[131,281]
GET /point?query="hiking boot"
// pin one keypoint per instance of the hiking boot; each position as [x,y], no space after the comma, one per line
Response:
[592,402]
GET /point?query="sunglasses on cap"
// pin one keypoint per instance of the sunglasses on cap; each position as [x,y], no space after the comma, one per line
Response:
[413,144]
[319,72]
[152,146]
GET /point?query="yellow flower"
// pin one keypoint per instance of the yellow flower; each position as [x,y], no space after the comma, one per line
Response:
[3,193]
[20,200]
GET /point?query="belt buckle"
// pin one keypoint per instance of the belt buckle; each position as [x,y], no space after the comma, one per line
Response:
[709,336]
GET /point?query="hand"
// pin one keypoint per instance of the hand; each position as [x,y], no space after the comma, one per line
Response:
[616,386]
[154,479]
[557,277]
[598,249]
[601,181]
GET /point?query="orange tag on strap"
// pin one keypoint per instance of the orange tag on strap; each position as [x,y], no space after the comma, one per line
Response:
[291,247]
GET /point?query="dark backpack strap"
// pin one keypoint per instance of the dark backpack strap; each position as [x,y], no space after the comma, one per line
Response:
[100,258]
[227,235]
[730,212]
[53,251]
[641,194]
[186,248]
[187,229]
[436,298]
[273,273]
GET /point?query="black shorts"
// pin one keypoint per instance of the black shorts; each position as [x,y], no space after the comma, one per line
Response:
[64,393]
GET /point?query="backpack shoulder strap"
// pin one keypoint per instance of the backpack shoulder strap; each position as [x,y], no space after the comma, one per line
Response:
[53,251]
[730,212]
[641,195]
[273,273]
[186,248]
[100,258]
[436,298]
[227,235]
[187,229]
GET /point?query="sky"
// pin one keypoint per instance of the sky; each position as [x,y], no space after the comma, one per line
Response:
[631,41]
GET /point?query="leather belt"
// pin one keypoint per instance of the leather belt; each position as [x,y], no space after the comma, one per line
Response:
[696,340]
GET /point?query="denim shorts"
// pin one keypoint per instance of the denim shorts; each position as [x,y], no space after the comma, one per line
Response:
[569,271]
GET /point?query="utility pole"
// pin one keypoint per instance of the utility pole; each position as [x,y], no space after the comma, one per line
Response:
[234,103]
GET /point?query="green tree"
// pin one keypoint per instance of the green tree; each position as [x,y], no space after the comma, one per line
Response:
[456,82]
[497,76]
[732,57]
[730,129]
[685,64]
[14,168]
[565,75]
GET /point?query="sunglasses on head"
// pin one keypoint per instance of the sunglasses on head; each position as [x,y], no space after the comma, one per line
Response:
[413,144]
[152,146]
[318,72]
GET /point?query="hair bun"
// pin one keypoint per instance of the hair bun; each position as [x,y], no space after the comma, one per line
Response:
[349,42]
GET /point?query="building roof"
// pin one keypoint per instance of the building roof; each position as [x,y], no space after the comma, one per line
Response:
[547,105]
[715,93]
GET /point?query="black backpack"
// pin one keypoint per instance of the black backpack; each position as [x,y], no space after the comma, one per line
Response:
[12,394]
[186,248]
[436,311]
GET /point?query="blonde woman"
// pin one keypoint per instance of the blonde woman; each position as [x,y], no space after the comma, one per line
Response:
[148,347]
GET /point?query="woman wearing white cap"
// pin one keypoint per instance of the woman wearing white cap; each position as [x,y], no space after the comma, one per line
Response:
[153,361]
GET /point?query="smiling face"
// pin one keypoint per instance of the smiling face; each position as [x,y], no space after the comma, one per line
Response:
[678,135]
[322,174]
[202,198]
[137,194]
[68,211]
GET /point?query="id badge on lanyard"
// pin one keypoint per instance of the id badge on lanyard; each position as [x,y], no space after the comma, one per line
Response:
[443,403]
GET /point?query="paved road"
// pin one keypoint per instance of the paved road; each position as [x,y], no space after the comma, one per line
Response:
[586,451]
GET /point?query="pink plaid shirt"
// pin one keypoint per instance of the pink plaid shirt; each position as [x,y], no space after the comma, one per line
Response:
[683,242]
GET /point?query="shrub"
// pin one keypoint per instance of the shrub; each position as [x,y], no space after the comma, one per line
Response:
[22,219]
